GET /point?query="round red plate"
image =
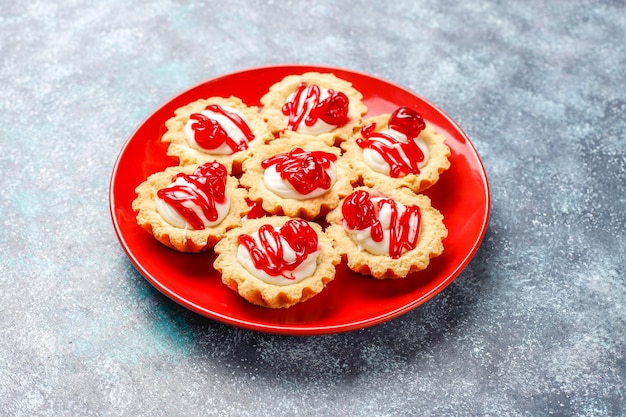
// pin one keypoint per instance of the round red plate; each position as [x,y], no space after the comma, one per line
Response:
[349,302]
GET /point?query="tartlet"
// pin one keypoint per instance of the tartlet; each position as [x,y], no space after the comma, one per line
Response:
[297,177]
[282,286]
[216,128]
[410,240]
[178,213]
[317,105]
[398,150]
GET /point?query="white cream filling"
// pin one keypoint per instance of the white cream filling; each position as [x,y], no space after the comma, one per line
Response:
[283,188]
[320,126]
[305,270]
[171,216]
[231,129]
[377,162]
[363,238]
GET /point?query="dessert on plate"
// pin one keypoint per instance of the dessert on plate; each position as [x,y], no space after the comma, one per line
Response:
[318,105]
[297,178]
[309,160]
[398,150]
[387,234]
[276,261]
[215,129]
[190,208]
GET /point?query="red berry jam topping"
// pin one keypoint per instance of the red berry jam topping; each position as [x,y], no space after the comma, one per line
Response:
[403,157]
[306,106]
[407,121]
[268,254]
[204,189]
[304,170]
[360,212]
[210,135]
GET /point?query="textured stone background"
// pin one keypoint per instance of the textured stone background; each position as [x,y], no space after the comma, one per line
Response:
[536,325]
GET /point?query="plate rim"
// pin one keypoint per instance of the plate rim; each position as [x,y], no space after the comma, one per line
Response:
[310,328]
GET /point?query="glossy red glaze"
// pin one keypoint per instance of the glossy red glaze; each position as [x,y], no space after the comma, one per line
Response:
[205,188]
[304,170]
[360,212]
[268,254]
[351,301]
[234,118]
[209,134]
[332,110]
[407,121]
[403,158]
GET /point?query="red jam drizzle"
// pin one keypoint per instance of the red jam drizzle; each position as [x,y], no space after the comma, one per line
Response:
[360,212]
[205,188]
[304,170]
[403,158]
[209,134]
[332,110]
[269,255]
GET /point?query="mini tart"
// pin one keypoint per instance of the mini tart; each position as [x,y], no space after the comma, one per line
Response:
[309,209]
[261,293]
[428,174]
[180,148]
[274,100]
[429,244]
[185,240]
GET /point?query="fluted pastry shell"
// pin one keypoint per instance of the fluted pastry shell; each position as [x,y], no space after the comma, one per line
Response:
[261,293]
[274,100]
[179,147]
[185,240]
[308,209]
[429,174]
[429,244]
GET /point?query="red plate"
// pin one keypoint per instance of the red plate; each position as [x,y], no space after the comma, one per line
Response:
[349,302]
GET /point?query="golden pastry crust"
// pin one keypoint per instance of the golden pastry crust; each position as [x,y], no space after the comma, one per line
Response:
[185,240]
[259,292]
[274,100]
[309,209]
[180,148]
[429,244]
[429,174]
